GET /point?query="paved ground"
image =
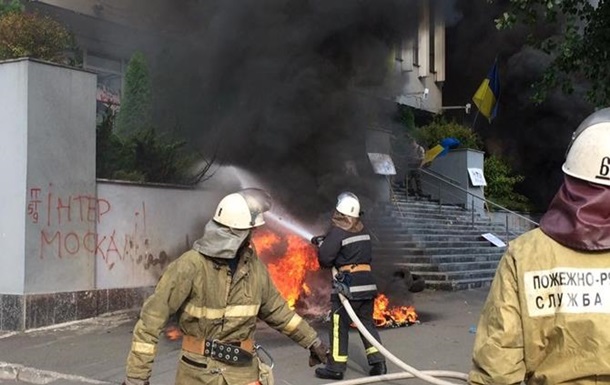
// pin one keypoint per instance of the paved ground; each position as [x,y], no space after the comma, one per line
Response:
[94,351]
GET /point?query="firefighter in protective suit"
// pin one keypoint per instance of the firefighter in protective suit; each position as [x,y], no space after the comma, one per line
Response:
[347,247]
[218,289]
[546,318]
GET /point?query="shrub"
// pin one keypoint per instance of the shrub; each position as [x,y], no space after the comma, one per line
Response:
[112,155]
[143,157]
[10,6]
[432,134]
[24,34]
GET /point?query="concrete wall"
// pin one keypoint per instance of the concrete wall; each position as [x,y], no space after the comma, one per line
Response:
[143,228]
[13,163]
[454,166]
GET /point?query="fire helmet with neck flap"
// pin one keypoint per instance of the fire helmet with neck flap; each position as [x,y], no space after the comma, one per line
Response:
[348,204]
[588,155]
[243,209]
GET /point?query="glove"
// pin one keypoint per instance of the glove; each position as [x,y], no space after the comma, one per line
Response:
[135,381]
[318,239]
[318,353]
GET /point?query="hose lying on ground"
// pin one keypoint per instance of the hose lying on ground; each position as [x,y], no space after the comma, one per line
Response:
[411,372]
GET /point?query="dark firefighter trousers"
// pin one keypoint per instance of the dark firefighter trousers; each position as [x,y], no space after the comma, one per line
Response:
[339,332]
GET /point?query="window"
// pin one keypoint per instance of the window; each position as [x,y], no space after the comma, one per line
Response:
[110,74]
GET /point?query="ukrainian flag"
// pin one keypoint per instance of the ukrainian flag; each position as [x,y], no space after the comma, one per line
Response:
[432,153]
[486,97]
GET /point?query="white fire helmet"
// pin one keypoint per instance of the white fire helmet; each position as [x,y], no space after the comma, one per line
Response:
[588,155]
[348,204]
[243,209]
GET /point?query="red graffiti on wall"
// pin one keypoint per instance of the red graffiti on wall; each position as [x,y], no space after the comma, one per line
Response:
[66,209]
[57,239]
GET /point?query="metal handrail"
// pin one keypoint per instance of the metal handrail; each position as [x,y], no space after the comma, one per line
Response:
[456,185]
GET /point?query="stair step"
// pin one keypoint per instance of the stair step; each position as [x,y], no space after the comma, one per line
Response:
[460,284]
[455,275]
[452,267]
[431,251]
[433,243]
[435,259]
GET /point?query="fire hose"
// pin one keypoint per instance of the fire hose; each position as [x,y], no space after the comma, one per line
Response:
[410,372]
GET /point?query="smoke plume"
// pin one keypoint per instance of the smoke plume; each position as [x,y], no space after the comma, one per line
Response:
[270,86]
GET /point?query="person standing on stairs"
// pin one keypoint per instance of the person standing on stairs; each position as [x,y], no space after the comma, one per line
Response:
[415,156]
[347,247]
[546,317]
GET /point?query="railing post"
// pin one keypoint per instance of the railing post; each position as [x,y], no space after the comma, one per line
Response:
[472,211]
[506,228]
[439,196]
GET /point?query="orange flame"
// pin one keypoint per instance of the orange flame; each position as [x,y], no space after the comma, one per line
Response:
[289,259]
[173,333]
[395,316]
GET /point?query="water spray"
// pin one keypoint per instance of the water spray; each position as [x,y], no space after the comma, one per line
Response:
[247,179]
[289,224]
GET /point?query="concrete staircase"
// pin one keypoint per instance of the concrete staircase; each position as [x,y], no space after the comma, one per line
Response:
[442,244]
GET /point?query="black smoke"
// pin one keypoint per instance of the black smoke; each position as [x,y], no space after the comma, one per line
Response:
[532,137]
[271,86]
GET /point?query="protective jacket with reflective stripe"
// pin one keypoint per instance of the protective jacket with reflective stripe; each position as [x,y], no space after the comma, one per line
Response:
[546,319]
[213,303]
[345,248]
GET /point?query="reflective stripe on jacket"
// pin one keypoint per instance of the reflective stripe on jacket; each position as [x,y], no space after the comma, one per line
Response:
[212,303]
[546,319]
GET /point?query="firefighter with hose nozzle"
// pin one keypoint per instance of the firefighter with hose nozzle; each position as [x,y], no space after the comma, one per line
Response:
[218,289]
[347,247]
[546,317]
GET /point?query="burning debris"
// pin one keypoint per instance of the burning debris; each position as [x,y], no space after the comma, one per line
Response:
[393,317]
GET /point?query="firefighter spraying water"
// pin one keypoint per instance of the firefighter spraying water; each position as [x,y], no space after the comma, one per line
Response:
[218,345]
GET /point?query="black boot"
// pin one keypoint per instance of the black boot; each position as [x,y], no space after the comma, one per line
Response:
[378,369]
[328,374]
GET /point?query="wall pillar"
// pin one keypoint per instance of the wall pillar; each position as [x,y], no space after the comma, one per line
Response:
[454,168]
[48,199]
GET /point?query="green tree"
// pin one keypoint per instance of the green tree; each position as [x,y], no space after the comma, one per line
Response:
[501,183]
[579,50]
[135,114]
[26,34]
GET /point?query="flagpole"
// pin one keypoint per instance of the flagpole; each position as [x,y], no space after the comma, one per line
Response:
[474,123]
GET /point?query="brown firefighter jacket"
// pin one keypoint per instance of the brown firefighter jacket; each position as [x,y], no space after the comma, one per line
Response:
[211,303]
[547,317]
